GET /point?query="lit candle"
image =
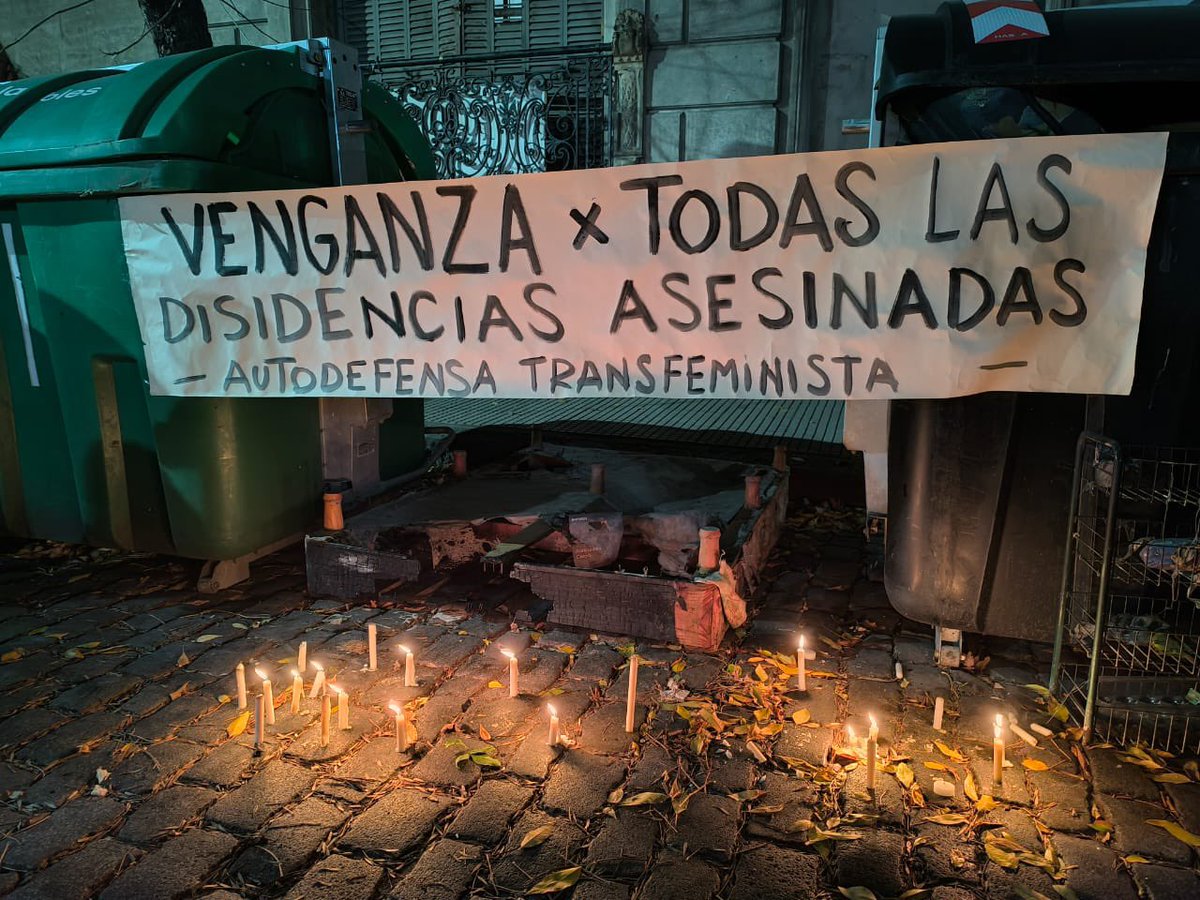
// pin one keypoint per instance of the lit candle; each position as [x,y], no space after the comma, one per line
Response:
[872,745]
[258,722]
[801,666]
[241,685]
[325,713]
[297,690]
[318,687]
[343,708]
[268,695]
[410,668]
[939,708]
[631,698]
[998,751]
[401,727]
[553,725]
[371,659]
[302,657]
[513,674]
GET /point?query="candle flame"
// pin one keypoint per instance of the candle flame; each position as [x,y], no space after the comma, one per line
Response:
[295,673]
[801,643]
[394,707]
[317,665]
[999,720]
[263,675]
[334,687]
[550,706]
[509,654]
[403,649]
[850,733]
[872,718]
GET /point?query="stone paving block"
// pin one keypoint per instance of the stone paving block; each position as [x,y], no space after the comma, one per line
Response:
[444,872]
[801,742]
[308,748]
[768,872]
[338,878]
[516,870]
[595,662]
[539,670]
[1098,874]
[728,776]
[160,663]
[650,679]
[438,766]
[96,694]
[174,715]
[674,877]
[224,767]
[624,845]
[443,707]
[1166,883]
[1186,798]
[247,807]
[876,861]
[376,760]
[150,698]
[29,724]
[882,698]
[485,817]
[13,778]
[869,663]
[92,668]
[1064,804]
[533,758]
[603,729]
[708,827]
[175,869]
[289,842]
[580,783]
[600,890]
[396,824]
[449,650]
[949,892]
[60,831]
[70,778]
[942,856]
[390,689]
[887,801]
[503,716]
[80,875]
[652,765]
[798,798]
[154,766]
[1131,834]
[166,811]
[68,738]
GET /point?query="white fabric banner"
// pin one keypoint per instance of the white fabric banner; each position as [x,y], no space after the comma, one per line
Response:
[923,271]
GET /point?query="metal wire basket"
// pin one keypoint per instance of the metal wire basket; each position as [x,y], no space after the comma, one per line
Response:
[1127,646]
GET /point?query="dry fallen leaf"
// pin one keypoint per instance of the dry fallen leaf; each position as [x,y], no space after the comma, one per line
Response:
[952,755]
[1034,765]
[12,655]
[557,881]
[1176,831]
[801,716]
[238,725]
[484,733]
[536,836]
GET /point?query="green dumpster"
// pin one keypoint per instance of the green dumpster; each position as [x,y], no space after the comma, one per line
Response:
[86,454]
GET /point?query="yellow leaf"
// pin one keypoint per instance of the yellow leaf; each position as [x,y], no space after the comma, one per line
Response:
[494,684]
[224,698]
[1171,778]
[952,755]
[1001,857]
[616,795]
[801,716]
[557,881]
[183,660]
[969,788]
[1134,859]
[12,656]
[90,645]
[205,638]
[904,774]
[947,819]
[985,803]
[536,836]
[1180,834]
[181,690]
[1034,765]
[747,795]
[645,798]
[678,666]
[238,725]
[937,766]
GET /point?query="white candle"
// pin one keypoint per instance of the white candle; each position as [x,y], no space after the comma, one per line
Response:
[241,685]
[513,674]
[899,671]
[297,690]
[318,681]
[268,695]
[371,659]
[410,668]
[401,727]
[1022,733]
[801,666]
[1042,730]
[939,708]
[325,713]
[343,708]
[553,725]
[631,697]
[943,788]
[872,745]
[302,657]
[998,751]
[258,722]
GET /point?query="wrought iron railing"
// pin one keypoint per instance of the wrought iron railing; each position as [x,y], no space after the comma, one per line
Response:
[510,114]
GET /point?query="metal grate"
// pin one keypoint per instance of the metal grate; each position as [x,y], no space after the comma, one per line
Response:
[1130,608]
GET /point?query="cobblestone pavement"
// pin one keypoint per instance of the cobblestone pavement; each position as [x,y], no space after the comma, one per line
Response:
[125,773]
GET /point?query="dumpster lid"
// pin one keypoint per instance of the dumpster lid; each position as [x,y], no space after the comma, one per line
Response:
[245,108]
[1094,45]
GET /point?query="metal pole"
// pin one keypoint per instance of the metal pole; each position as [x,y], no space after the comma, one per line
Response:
[1102,597]
[1068,567]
